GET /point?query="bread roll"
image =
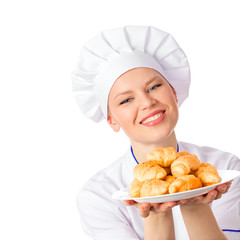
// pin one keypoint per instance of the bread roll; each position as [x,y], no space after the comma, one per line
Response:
[167,171]
[208,174]
[164,156]
[154,188]
[185,164]
[149,170]
[135,188]
[170,179]
[183,153]
[185,183]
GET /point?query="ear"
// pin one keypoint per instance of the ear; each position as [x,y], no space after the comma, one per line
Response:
[113,123]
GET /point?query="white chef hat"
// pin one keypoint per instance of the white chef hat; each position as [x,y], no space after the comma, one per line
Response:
[113,52]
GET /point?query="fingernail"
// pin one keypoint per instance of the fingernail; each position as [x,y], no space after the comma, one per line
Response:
[214,194]
[224,188]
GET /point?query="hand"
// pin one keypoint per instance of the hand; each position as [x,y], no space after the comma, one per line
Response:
[146,208]
[223,188]
[163,208]
[209,197]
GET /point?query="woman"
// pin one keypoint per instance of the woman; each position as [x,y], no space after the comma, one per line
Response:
[136,78]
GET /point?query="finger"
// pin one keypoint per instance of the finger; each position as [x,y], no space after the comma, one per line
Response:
[182,201]
[219,195]
[191,200]
[128,202]
[229,183]
[164,207]
[222,188]
[144,209]
[211,196]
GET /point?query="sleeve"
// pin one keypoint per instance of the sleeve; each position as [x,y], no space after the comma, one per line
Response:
[102,219]
[227,209]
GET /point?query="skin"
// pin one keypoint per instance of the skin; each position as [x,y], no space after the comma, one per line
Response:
[134,96]
[131,101]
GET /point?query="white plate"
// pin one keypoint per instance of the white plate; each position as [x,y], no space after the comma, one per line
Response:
[226,176]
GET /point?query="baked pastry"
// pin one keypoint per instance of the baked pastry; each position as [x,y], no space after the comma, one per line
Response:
[184,165]
[208,174]
[170,179]
[182,153]
[185,183]
[164,156]
[149,170]
[167,171]
[154,188]
[135,188]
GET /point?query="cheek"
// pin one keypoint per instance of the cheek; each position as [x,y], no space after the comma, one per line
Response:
[122,117]
[170,97]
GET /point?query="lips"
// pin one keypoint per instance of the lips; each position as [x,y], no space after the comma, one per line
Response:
[153,118]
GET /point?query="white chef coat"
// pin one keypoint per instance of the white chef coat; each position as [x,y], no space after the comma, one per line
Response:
[105,218]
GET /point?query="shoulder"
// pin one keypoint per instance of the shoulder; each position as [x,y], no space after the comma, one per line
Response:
[96,205]
[108,176]
[107,181]
[220,159]
[115,174]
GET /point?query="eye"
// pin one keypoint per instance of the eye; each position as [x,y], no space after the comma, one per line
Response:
[154,87]
[126,101]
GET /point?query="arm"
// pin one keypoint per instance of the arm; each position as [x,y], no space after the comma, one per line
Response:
[158,220]
[159,226]
[198,216]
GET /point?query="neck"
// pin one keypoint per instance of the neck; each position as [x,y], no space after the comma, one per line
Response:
[141,150]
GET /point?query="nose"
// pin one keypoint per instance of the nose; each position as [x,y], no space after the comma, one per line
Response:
[146,101]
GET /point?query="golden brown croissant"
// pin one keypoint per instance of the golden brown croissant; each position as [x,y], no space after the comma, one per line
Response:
[135,188]
[167,171]
[154,188]
[185,164]
[149,170]
[164,156]
[183,153]
[208,174]
[185,183]
[170,179]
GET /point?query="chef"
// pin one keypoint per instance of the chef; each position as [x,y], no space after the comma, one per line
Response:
[136,78]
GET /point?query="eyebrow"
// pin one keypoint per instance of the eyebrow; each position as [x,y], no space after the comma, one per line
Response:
[130,91]
[122,93]
[151,80]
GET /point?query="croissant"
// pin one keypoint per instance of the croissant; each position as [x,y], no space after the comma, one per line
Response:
[135,188]
[185,164]
[164,156]
[170,179]
[208,174]
[167,171]
[183,153]
[153,188]
[185,183]
[149,170]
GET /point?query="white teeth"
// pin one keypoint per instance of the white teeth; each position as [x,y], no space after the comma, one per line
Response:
[152,118]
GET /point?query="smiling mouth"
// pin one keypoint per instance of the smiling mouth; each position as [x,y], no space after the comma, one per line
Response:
[152,118]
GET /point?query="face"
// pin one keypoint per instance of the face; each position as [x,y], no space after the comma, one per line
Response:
[144,105]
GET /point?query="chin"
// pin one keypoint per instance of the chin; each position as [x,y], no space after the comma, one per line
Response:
[161,137]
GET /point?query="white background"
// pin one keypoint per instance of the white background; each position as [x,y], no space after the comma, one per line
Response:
[48,149]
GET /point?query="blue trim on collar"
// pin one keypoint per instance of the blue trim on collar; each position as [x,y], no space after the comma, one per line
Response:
[230,230]
[137,160]
[134,156]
